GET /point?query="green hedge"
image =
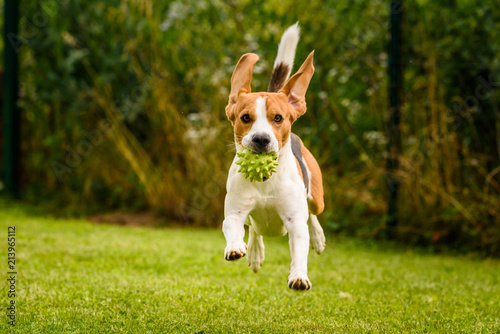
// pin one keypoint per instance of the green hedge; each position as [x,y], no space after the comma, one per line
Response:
[123,107]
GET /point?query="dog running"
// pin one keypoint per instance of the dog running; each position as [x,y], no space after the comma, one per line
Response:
[292,197]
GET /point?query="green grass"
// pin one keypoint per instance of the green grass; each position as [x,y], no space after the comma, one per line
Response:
[76,277]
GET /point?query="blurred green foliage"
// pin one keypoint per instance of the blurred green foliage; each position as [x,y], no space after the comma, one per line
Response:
[123,107]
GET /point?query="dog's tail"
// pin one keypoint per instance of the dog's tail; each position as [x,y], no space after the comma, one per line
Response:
[284,60]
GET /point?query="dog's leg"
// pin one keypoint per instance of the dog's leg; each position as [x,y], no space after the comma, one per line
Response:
[316,234]
[237,208]
[255,250]
[299,249]
[234,232]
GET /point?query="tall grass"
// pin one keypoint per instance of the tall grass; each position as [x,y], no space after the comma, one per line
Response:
[159,73]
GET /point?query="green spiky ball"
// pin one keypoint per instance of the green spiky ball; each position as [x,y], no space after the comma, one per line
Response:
[257,166]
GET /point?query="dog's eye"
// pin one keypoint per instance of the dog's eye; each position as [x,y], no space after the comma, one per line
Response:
[278,118]
[246,118]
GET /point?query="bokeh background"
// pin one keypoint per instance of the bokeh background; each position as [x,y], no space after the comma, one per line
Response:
[123,110]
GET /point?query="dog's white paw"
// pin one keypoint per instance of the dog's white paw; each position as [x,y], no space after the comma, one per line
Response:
[318,241]
[235,251]
[316,234]
[299,282]
[255,257]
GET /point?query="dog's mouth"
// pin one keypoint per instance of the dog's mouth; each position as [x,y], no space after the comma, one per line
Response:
[258,149]
[264,179]
[257,166]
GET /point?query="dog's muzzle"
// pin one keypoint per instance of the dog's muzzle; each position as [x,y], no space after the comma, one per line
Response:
[260,142]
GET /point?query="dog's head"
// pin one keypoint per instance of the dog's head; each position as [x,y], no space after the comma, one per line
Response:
[262,121]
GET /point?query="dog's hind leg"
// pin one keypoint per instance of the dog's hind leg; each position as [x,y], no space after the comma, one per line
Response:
[255,250]
[316,234]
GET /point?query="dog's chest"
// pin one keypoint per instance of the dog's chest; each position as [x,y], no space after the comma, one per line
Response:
[265,218]
[268,201]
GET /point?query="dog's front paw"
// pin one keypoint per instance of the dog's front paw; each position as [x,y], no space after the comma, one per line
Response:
[235,251]
[299,282]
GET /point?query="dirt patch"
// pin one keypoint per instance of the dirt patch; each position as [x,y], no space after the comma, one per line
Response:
[141,219]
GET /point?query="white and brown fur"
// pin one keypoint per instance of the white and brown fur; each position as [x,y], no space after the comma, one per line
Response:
[290,200]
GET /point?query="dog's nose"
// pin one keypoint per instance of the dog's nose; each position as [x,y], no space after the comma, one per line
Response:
[261,140]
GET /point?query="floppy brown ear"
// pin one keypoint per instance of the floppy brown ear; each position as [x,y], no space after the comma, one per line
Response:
[295,88]
[240,81]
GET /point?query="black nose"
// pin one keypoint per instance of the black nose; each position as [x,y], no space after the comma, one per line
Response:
[261,140]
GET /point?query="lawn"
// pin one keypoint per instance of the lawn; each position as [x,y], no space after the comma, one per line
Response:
[78,277]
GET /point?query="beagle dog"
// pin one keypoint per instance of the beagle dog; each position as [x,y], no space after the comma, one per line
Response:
[290,200]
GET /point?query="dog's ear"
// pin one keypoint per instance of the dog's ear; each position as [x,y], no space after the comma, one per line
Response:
[295,88]
[240,81]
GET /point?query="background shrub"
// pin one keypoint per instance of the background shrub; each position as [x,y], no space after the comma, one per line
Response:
[123,107]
